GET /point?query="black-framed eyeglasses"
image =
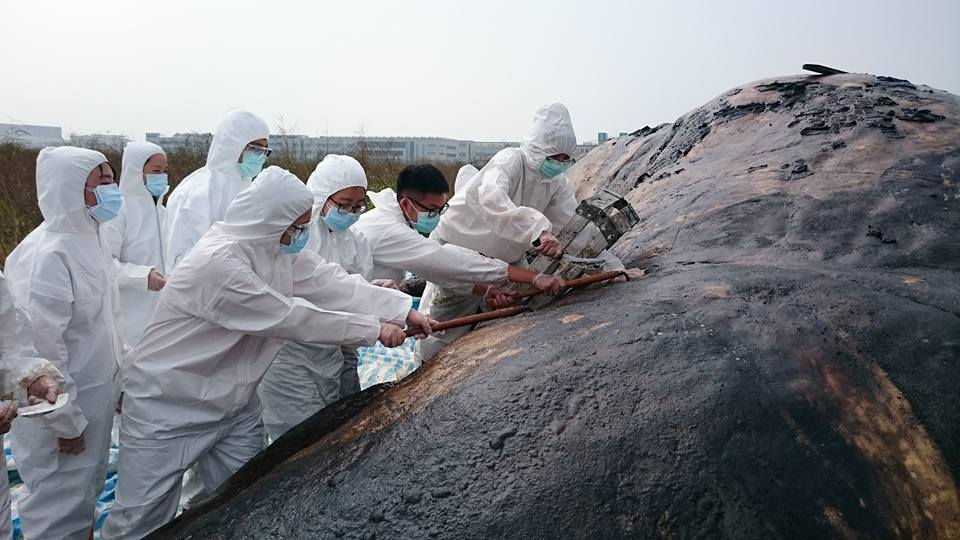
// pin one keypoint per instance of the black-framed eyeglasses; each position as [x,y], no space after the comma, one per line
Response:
[260,150]
[296,230]
[569,160]
[348,208]
[431,212]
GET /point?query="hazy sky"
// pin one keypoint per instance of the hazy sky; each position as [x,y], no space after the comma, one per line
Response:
[474,70]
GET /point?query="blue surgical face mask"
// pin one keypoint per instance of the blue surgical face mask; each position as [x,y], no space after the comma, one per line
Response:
[425,223]
[109,201]
[157,184]
[551,167]
[339,221]
[251,164]
[297,243]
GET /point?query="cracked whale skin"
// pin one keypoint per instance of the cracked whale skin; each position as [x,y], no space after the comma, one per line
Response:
[787,369]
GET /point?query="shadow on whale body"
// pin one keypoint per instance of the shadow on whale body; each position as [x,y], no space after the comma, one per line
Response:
[788,368]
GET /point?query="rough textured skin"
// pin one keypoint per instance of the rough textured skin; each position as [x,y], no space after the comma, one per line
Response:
[788,368]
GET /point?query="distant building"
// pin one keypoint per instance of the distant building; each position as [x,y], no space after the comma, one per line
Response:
[100,141]
[198,142]
[32,136]
[583,149]
[407,149]
[481,152]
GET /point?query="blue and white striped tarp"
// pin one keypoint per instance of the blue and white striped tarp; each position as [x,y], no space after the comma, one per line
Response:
[379,364]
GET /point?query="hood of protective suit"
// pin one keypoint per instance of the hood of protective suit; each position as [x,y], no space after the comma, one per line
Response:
[386,201]
[551,134]
[135,156]
[464,176]
[332,174]
[267,208]
[61,175]
[235,132]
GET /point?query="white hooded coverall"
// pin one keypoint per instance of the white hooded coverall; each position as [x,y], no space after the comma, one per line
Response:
[203,197]
[306,377]
[19,367]
[396,247]
[134,237]
[62,276]
[190,388]
[500,212]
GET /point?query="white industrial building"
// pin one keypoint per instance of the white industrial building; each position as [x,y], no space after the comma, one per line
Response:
[408,149]
[32,136]
[299,147]
[100,141]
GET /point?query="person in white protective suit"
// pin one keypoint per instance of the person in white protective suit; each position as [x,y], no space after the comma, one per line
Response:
[305,377]
[190,388]
[237,154]
[520,197]
[62,276]
[394,229]
[24,380]
[135,235]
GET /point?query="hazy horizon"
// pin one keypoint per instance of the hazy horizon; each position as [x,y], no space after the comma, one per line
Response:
[430,68]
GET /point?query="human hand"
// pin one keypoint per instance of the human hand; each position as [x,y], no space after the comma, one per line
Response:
[497,298]
[550,245]
[419,322]
[44,388]
[630,274]
[385,283]
[552,285]
[8,411]
[391,335]
[155,280]
[72,446]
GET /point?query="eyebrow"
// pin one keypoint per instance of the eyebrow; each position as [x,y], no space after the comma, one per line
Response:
[420,204]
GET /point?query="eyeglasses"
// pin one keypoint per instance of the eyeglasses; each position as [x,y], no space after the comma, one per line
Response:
[569,160]
[431,212]
[347,208]
[296,230]
[259,150]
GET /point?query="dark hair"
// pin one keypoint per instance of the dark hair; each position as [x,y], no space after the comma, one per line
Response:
[421,179]
[112,170]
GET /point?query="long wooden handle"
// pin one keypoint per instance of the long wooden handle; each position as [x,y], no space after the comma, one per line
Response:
[576,283]
[511,311]
[473,319]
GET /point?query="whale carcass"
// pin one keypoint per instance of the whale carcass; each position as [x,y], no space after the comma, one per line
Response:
[787,369]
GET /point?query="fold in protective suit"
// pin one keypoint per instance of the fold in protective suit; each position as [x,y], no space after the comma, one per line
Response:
[305,377]
[62,276]
[203,197]
[397,248]
[190,389]
[503,208]
[19,367]
[134,237]
[500,211]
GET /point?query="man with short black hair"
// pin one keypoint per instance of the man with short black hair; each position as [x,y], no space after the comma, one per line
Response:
[393,230]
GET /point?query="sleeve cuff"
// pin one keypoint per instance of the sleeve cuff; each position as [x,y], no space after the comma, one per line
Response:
[37,369]
[65,423]
[134,276]
[542,225]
